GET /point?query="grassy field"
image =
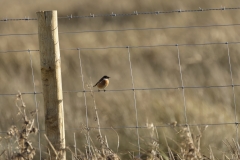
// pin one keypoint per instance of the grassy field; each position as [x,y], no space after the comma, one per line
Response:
[153,67]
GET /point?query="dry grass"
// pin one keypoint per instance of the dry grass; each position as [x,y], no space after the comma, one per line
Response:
[20,147]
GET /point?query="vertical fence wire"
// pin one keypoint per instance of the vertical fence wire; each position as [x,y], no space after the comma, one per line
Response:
[233,91]
[75,145]
[85,100]
[135,101]
[96,112]
[36,105]
[183,90]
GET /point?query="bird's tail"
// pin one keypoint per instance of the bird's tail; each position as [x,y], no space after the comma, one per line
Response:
[95,85]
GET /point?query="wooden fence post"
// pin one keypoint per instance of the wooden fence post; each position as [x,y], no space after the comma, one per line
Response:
[52,82]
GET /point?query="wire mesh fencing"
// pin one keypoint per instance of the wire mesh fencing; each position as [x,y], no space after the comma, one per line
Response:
[160,85]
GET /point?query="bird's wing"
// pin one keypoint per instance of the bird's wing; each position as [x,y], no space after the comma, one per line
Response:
[97,82]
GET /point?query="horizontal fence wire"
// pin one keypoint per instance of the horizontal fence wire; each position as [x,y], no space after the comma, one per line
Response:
[134,13]
[18,19]
[128,29]
[130,89]
[148,127]
[119,47]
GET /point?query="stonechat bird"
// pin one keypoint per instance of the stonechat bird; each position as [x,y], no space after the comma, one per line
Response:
[102,83]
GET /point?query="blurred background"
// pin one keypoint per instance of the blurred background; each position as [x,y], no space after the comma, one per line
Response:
[153,67]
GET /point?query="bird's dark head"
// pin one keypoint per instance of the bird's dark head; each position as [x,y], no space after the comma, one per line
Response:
[106,77]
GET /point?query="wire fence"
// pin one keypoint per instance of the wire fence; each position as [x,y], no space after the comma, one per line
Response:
[140,89]
[134,13]
[131,29]
[133,89]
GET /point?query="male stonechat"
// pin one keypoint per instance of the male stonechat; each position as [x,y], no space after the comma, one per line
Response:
[102,83]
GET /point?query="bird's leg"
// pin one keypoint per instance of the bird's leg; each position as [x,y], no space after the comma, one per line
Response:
[98,90]
[104,90]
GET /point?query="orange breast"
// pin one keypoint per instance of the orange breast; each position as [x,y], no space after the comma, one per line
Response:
[103,84]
